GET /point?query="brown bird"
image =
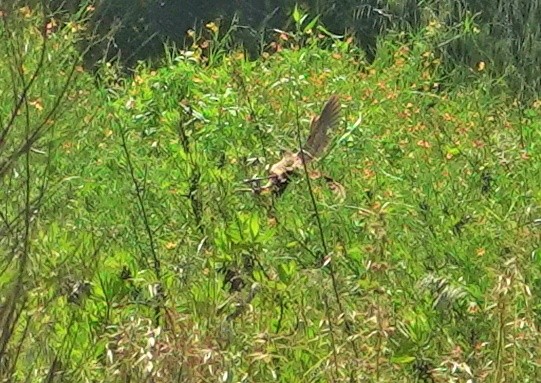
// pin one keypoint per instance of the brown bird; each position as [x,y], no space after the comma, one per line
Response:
[317,141]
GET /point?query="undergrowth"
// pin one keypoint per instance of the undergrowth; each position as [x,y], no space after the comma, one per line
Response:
[153,262]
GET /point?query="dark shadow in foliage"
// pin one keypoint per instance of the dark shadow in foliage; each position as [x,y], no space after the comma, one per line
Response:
[509,37]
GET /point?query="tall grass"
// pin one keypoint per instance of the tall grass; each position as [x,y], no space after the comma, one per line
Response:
[150,262]
[504,34]
[40,98]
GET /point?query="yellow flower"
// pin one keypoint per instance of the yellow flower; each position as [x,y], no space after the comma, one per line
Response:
[212,27]
[25,11]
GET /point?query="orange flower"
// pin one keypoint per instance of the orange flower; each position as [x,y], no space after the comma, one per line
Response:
[368,173]
[478,144]
[399,62]
[448,117]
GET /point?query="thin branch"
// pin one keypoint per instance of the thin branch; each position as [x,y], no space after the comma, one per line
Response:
[139,194]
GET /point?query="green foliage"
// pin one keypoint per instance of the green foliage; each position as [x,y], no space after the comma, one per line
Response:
[426,269]
[505,34]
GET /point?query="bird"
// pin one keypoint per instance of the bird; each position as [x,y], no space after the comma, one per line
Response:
[316,143]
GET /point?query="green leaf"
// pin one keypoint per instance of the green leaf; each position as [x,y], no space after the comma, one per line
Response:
[454,151]
[325,31]
[356,254]
[405,359]
[530,113]
[296,15]
[311,25]
[254,226]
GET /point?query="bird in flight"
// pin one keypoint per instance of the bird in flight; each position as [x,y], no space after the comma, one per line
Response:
[317,141]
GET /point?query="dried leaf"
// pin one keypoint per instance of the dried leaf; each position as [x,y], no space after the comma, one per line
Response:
[314,174]
[338,189]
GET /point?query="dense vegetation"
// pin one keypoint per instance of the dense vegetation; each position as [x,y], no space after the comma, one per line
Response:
[507,34]
[133,250]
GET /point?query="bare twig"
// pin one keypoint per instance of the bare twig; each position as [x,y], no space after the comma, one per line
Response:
[139,195]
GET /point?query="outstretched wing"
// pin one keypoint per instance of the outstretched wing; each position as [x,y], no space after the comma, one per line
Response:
[315,145]
[318,138]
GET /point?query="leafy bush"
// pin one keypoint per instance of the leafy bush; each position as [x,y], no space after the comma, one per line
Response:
[151,262]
